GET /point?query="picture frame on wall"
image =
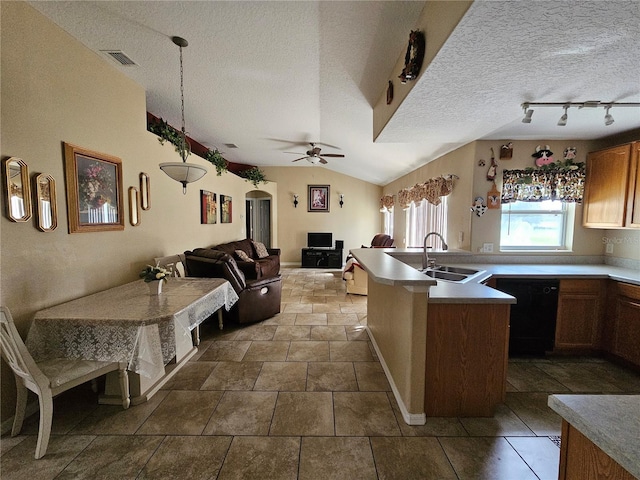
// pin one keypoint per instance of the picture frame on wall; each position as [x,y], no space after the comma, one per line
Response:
[208,208]
[94,190]
[318,198]
[226,209]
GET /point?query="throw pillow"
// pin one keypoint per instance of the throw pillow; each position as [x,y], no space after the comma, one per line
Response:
[261,250]
[243,256]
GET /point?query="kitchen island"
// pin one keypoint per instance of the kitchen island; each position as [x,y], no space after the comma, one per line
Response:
[444,354]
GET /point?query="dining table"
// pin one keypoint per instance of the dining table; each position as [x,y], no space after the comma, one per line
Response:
[152,333]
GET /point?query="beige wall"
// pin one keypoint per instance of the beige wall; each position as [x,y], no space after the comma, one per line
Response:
[356,223]
[55,90]
[458,162]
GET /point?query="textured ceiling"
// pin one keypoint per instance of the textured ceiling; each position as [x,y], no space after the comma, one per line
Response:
[269,76]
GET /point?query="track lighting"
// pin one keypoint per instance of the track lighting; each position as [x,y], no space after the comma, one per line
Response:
[608,119]
[563,119]
[527,113]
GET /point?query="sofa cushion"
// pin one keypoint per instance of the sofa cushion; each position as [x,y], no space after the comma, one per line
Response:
[261,250]
[243,256]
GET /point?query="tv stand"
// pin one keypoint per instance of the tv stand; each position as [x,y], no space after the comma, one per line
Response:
[322,258]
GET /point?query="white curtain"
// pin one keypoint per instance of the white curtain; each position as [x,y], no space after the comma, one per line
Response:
[424,218]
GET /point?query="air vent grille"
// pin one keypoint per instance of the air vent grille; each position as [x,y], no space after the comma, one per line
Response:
[230,145]
[120,57]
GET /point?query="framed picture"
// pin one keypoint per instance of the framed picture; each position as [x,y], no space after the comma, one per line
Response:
[94,190]
[208,207]
[225,209]
[318,198]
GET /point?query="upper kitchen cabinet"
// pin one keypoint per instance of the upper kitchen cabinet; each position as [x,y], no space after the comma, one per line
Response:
[612,190]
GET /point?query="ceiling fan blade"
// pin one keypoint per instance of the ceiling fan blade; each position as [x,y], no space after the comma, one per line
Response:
[301,158]
[334,155]
[326,145]
[322,160]
[315,151]
[294,153]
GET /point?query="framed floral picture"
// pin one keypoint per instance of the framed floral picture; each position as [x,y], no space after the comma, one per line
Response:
[94,190]
[318,198]
[208,208]
[225,209]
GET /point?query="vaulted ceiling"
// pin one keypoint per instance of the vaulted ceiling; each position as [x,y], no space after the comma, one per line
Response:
[269,76]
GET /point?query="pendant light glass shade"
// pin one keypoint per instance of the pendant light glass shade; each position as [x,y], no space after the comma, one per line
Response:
[183,172]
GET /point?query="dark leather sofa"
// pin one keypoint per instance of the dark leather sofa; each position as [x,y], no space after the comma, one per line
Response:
[259,267]
[259,299]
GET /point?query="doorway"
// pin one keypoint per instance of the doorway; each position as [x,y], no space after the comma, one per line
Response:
[258,215]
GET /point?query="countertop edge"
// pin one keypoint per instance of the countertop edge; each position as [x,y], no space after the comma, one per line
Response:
[600,437]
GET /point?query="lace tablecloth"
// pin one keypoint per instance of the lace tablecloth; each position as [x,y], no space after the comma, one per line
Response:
[126,324]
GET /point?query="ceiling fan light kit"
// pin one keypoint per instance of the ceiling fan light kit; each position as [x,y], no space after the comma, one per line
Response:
[608,118]
[183,172]
[314,157]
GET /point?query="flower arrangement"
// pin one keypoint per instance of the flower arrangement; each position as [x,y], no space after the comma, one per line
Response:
[95,184]
[150,274]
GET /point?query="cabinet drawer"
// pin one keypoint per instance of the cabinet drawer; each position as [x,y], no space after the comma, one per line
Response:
[594,287]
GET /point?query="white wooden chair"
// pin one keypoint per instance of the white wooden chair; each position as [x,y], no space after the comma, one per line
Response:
[173,263]
[48,378]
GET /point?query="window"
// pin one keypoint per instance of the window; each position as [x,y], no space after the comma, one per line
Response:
[424,218]
[534,225]
[388,222]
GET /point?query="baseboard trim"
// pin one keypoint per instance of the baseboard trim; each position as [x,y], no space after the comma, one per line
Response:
[409,418]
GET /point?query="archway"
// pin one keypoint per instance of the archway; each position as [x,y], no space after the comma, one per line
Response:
[258,216]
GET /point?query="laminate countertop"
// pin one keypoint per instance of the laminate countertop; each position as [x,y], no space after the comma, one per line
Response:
[612,422]
[383,266]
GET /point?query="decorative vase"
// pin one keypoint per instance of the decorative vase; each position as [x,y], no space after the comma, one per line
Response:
[155,287]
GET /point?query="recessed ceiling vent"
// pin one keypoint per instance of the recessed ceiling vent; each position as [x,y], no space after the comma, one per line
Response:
[120,57]
[230,145]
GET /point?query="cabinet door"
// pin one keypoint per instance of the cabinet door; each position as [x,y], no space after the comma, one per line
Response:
[579,314]
[627,330]
[606,187]
[633,197]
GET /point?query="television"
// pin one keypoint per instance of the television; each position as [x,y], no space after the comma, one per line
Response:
[319,240]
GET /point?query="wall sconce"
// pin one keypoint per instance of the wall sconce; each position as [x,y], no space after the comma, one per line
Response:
[295,201]
[341,200]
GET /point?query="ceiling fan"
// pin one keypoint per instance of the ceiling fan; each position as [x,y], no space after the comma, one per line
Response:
[313,156]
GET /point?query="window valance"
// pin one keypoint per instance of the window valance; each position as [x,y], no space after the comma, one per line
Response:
[566,185]
[386,203]
[431,191]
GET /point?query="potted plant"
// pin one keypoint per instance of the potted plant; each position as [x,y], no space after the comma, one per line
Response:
[167,133]
[253,175]
[215,157]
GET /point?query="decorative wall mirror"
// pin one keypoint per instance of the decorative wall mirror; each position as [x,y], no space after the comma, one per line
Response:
[46,202]
[134,207]
[17,189]
[145,191]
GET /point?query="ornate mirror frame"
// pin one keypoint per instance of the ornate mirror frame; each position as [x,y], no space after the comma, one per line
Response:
[17,190]
[44,186]
[145,191]
[134,207]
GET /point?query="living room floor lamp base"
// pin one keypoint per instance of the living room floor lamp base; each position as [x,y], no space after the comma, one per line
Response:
[183,172]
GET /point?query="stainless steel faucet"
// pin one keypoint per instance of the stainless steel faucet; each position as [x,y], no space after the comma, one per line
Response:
[425,255]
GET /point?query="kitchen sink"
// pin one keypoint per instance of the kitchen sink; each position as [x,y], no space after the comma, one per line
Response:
[463,271]
[451,274]
[454,277]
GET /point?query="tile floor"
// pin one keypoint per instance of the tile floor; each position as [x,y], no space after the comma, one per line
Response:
[302,395]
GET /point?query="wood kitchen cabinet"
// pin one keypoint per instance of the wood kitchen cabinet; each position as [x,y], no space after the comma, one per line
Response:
[580,310]
[622,335]
[612,189]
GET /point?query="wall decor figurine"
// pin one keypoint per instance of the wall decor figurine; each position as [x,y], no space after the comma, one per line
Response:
[506,151]
[414,56]
[493,197]
[493,168]
[569,153]
[481,163]
[543,156]
[479,207]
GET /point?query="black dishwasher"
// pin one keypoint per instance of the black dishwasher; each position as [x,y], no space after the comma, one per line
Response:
[533,318]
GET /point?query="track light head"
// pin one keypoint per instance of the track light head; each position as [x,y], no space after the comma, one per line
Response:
[563,119]
[527,113]
[608,118]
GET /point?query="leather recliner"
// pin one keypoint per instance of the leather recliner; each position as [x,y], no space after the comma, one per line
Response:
[258,299]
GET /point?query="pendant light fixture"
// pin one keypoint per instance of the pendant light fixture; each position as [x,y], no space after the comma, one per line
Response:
[183,172]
